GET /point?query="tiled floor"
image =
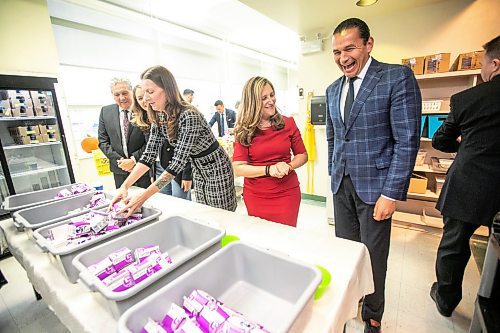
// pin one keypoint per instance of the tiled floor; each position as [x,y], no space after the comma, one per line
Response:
[408,305]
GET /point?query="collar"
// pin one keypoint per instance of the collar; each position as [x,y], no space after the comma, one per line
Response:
[362,74]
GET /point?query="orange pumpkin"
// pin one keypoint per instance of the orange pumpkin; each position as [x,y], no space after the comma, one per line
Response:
[90,143]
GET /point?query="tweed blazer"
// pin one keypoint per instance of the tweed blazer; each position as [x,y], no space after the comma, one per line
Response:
[379,144]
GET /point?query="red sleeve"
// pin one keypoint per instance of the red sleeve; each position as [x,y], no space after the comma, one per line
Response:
[296,139]
[240,152]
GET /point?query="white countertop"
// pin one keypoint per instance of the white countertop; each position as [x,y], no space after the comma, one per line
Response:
[84,311]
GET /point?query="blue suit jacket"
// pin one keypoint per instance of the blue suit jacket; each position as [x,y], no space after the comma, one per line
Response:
[381,140]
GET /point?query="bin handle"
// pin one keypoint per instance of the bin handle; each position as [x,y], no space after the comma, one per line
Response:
[41,242]
[19,221]
[88,280]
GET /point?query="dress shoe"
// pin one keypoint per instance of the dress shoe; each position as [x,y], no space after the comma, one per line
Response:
[442,311]
[369,328]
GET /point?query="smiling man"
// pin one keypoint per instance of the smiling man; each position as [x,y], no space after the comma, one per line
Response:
[121,142]
[373,134]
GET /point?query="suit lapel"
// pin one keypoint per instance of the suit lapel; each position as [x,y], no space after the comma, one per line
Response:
[337,92]
[116,121]
[373,75]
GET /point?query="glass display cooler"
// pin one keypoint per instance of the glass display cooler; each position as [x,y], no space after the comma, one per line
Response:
[34,153]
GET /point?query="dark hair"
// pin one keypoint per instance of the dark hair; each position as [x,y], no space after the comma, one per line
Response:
[353,22]
[188,92]
[164,79]
[218,102]
[492,48]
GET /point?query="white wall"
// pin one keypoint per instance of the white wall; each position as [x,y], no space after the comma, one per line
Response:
[28,46]
[456,26]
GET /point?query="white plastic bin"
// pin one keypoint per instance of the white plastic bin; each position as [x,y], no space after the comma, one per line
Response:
[39,216]
[17,202]
[64,256]
[187,243]
[266,287]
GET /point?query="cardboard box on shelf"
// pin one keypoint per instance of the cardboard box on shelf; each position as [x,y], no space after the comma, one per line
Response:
[47,138]
[21,140]
[418,184]
[22,104]
[439,183]
[469,60]
[437,63]
[23,130]
[416,64]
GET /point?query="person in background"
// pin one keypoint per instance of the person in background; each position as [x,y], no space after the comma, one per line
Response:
[373,133]
[121,143]
[263,147]
[186,129]
[224,118]
[470,196]
[181,187]
[188,95]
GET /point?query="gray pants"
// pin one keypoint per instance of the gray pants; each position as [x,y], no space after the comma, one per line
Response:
[354,221]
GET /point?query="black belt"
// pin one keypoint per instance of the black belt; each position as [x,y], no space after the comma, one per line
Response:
[213,147]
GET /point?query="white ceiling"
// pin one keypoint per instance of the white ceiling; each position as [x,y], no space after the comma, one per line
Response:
[306,16]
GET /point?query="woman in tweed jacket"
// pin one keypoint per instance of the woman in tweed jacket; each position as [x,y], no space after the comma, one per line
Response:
[186,129]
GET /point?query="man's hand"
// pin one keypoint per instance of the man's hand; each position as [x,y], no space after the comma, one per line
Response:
[384,208]
[186,185]
[126,164]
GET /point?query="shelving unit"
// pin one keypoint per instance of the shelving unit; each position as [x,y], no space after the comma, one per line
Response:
[420,208]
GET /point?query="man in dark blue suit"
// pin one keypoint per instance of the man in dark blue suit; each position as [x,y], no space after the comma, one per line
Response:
[373,122]
[225,119]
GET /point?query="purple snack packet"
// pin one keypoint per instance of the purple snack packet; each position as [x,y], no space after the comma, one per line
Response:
[98,223]
[154,327]
[141,253]
[63,193]
[98,199]
[236,324]
[174,318]
[142,270]
[121,258]
[78,229]
[80,188]
[189,326]
[211,319]
[192,307]
[102,269]
[119,281]
[203,298]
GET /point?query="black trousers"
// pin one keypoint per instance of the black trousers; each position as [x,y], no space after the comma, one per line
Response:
[143,182]
[452,257]
[354,221]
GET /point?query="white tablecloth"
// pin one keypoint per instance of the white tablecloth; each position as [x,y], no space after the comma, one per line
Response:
[348,262]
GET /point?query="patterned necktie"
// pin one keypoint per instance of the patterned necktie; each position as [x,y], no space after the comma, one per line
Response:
[349,100]
[221,132]
[126,123]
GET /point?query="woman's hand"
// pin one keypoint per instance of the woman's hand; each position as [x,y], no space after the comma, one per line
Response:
[186,185]
[279,170]
[133,204]
[121,195]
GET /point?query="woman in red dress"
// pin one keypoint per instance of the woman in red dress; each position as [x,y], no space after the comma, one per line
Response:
[264,143]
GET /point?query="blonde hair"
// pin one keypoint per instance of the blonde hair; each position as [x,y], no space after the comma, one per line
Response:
[140,116]
[250,111]
[164,79]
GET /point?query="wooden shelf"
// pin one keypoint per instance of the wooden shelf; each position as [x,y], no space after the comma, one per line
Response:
[428,195]
[448,74]
[427,168]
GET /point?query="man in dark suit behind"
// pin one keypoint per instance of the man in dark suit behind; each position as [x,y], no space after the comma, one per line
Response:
[119,140]
[225,119]
[372,129]
[471,192]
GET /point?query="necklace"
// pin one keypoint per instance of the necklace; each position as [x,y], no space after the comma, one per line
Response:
[264,124]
